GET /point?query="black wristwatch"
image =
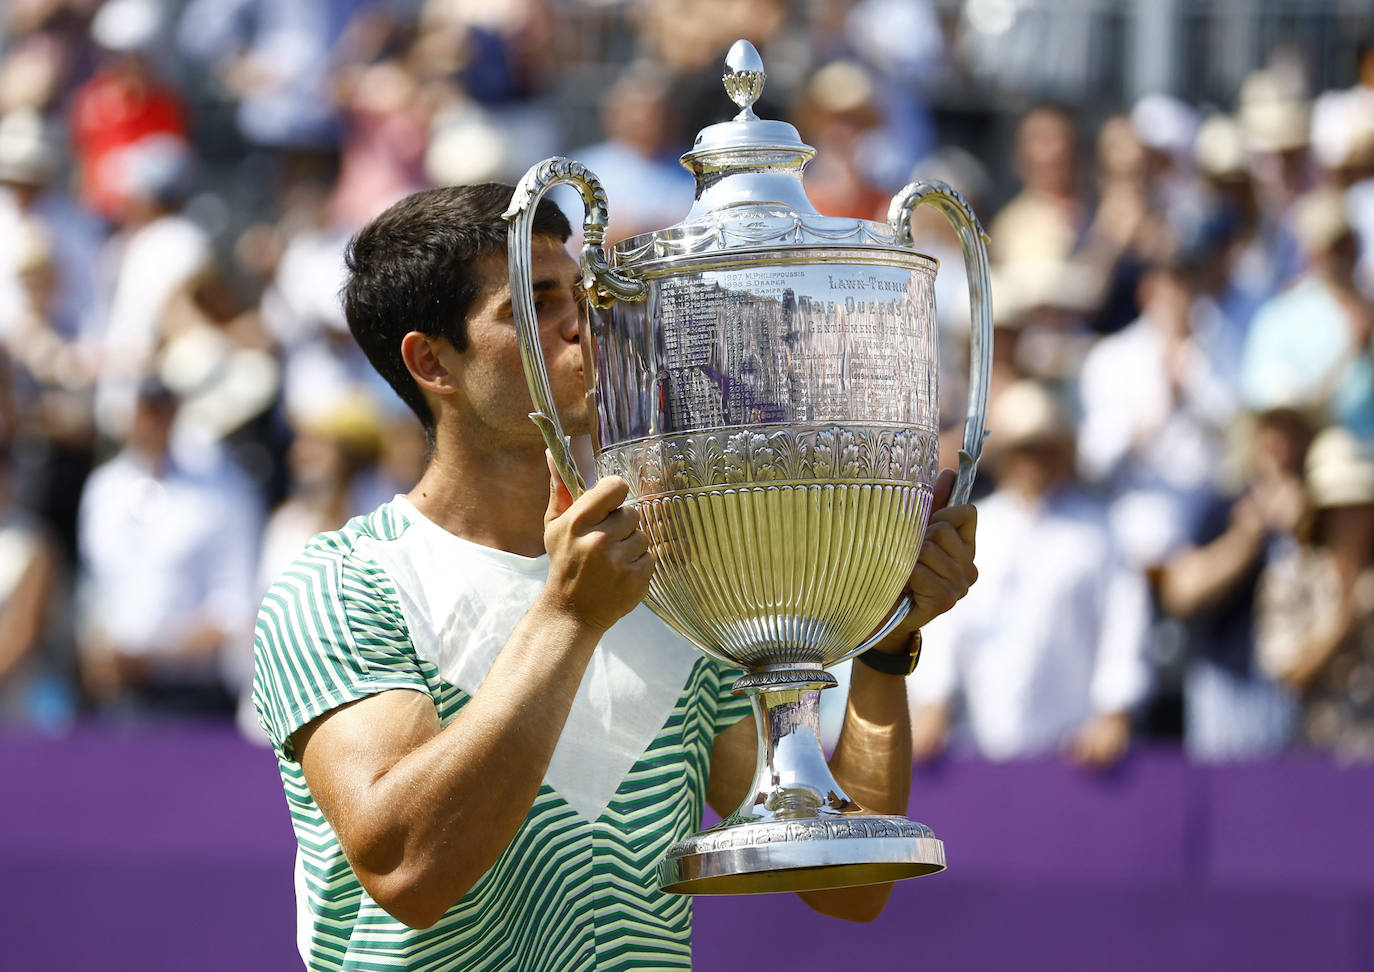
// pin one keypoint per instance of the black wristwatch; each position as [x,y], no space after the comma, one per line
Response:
[889,664]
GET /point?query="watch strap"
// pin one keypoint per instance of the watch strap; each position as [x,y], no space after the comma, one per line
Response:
[889,663]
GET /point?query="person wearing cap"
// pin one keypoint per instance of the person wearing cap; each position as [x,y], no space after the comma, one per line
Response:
[1316,605]
[487,743]
[1309,347]
[1048,652]
[30,194]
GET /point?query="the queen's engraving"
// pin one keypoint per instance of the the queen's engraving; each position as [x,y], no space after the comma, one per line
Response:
[765,380]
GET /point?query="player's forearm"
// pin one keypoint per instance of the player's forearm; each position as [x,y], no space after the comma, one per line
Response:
[872,759]
[449,808]
[872,762]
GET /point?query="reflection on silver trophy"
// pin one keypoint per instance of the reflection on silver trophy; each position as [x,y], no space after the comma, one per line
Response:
[765,379]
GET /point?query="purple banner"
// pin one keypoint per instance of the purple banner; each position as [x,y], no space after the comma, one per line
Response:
[170,849]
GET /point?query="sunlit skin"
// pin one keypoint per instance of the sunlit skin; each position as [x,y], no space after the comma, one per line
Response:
[423,811]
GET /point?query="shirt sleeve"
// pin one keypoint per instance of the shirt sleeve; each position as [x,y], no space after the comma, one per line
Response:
[730,708]
[330,631]
[1121,676]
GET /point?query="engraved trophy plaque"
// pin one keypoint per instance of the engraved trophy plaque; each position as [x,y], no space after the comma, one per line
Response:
[765,378]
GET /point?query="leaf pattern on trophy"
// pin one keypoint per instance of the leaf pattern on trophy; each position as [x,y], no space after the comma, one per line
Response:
[930,458]
[850,462]
[648,476]
[712,461]
[782,454]
[883,454]
[739,455]
[823,454]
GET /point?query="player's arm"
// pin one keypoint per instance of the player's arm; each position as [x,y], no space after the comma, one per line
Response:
[872,760]
[423,812]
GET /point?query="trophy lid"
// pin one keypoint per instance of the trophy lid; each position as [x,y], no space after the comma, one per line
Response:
[748,160]
[749,193]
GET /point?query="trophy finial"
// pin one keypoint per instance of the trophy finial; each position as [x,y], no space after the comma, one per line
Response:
[744,77]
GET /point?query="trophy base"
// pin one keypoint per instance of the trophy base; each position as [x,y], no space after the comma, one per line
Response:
[806,854]
[797,830]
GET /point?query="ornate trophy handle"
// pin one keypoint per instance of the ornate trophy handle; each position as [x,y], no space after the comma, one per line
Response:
[951,202]
[957,210]
[603,285]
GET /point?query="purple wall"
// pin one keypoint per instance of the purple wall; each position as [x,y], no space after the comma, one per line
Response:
[153,850]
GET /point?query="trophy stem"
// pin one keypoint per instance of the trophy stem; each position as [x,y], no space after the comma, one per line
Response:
[796,830]
[791,776]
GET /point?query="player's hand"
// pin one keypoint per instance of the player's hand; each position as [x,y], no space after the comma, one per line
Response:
[944,570]
[600,563]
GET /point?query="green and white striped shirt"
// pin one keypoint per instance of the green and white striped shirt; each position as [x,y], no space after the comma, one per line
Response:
[393,601]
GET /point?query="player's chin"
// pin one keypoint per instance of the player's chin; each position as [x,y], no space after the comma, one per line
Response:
[577,418]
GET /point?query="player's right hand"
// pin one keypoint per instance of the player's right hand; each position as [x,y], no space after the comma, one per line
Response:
[600,563]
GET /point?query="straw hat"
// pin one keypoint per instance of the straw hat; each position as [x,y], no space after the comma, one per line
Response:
[27,155]
[1273,114]
[1339,469]
[1319,219]
[1028,413]
[1023,286]
[1219,148]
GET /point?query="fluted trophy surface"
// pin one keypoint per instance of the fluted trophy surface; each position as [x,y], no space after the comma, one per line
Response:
[765,380]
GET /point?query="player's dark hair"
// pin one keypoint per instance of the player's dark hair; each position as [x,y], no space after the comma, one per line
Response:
[411,269]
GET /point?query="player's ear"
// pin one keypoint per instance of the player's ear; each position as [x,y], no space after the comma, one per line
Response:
[427,359]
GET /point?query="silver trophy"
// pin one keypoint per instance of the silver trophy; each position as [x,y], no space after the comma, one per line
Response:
[765,378]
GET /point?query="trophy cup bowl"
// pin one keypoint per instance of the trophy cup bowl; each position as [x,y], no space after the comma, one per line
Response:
[765,379]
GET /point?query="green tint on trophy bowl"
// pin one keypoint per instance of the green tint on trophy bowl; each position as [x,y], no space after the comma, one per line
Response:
[775,419]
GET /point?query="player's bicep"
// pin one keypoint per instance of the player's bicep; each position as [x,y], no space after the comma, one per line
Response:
[347,750]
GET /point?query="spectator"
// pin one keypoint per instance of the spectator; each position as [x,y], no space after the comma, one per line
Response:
[1155,408]
[841,114]
[1048,651]
[156,256]
[274,59]
[1242,265]
[1231,709]
[1309,346]
[30,192]
[33,687]
[123,104]
[637,162]
[168,544]
[329,451]
[1316,620]
[1044,221]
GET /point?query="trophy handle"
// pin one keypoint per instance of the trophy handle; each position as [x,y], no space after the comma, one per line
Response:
[603,285]
[951,202]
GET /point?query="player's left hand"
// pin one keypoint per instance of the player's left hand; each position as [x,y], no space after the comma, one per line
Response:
[944,570]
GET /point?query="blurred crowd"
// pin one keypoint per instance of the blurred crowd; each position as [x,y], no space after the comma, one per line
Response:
[1177,502]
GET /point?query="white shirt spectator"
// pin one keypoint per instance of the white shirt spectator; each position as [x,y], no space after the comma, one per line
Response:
[164,551]
[151,263]
[1053,633]
[1157,442]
